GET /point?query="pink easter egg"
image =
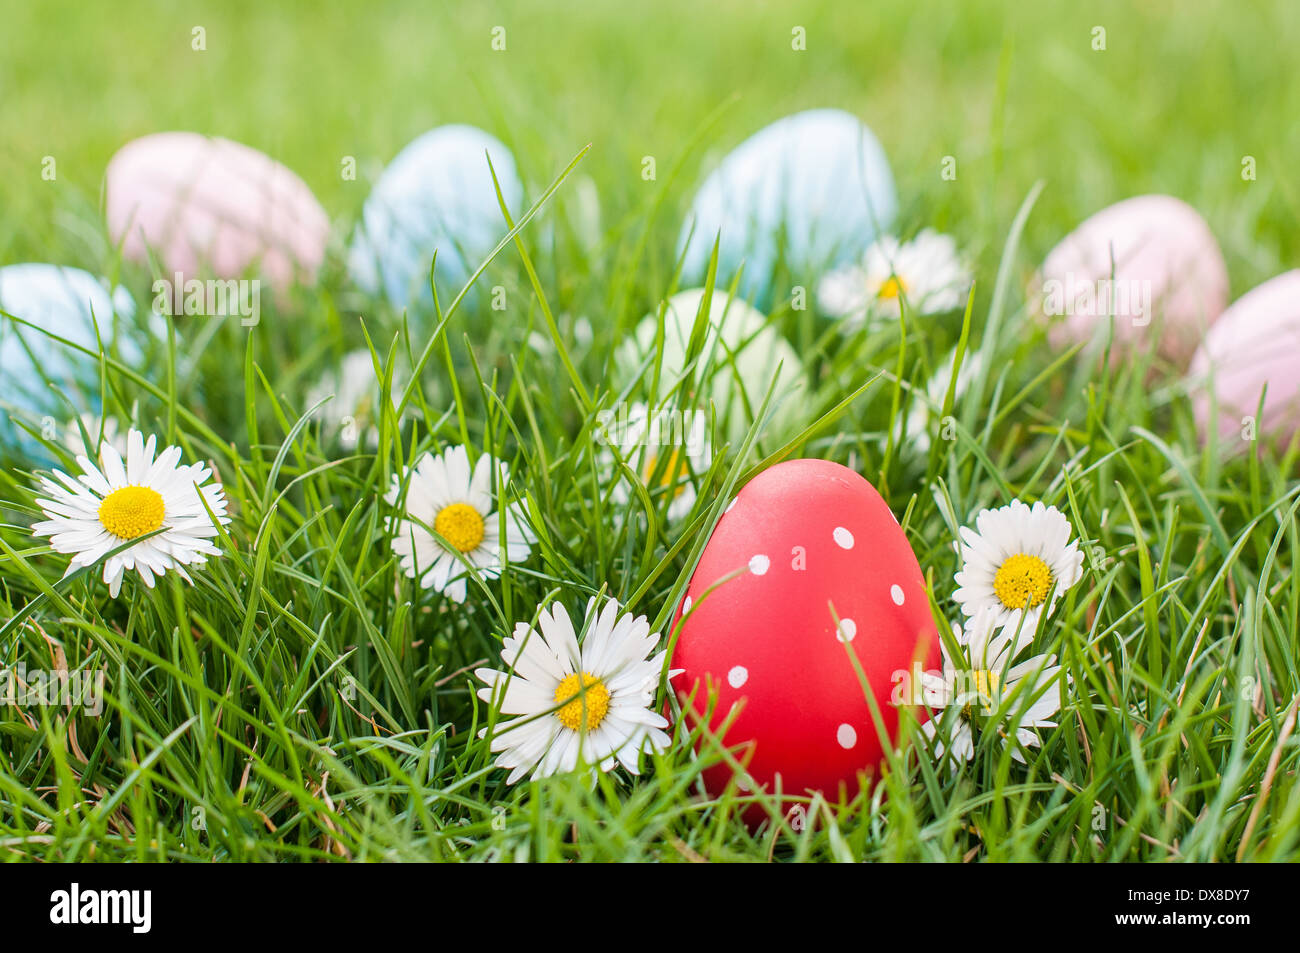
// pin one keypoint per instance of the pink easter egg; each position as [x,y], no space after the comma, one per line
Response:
[1169,280]
[212,206]
[1256,342]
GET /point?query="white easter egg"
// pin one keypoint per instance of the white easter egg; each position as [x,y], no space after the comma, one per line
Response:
[347,400]
[742,355]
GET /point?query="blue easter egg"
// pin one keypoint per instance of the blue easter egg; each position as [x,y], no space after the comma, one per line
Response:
[436,194]
[70,303]
[813,188]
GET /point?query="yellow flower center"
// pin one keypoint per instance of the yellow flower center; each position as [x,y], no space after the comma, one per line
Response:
[985,684]
[132,511]
[673,468]
[578,695]
[461,525]
[892,288]
[1022,582]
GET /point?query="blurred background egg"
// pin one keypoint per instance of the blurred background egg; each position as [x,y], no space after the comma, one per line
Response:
[1254,344]
[437,194]
[36,368]
[1169,284]
[736,333]
[813,189]
[347,401]
[211,206]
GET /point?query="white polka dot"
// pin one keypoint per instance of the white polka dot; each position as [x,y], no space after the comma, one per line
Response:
[847,630]
[896,593]
[686,605]
[738,676]
[846,735]
[730,505]
[759,564]
[843,538]
[744,782]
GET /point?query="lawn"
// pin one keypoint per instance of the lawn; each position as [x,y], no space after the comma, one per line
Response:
[304,700]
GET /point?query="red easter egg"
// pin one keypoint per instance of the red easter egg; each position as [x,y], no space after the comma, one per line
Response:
[810,535]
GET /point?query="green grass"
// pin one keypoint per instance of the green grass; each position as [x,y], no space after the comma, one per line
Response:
[305,701]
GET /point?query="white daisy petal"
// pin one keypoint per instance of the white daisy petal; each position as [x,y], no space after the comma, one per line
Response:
[668,450]
[148,499]
[348,402]
[1017,562]
[445,494]
[928,275]
[981,690]
[594,698]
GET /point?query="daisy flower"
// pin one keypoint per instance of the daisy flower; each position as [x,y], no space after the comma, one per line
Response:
[576,704]
[927,273]
[982,689]
[105,430]
[353,411]
[445,495]
[1015,558]
[665,450]
[116,502]
[936,392]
